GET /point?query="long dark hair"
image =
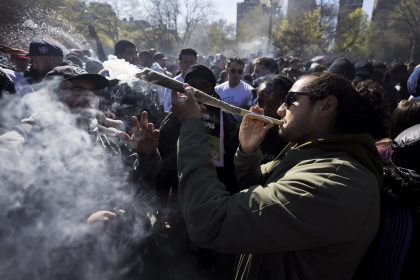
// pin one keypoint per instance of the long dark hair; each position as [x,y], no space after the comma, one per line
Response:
[354,114]
[404,116]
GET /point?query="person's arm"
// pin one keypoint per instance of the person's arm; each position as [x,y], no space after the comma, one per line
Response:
[100,50]
[247,168]
[147,166]
[99,47]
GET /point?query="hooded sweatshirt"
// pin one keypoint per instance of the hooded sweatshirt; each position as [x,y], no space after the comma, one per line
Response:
[310,215]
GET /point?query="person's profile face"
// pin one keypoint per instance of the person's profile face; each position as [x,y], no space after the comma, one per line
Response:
[269,100]
[130,55]
[297,114]
[41,64]
[259,71]
[186,61]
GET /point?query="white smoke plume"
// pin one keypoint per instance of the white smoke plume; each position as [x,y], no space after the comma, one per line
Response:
[121,70]
[50,186]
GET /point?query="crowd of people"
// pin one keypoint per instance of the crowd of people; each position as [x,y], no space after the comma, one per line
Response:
[155,185]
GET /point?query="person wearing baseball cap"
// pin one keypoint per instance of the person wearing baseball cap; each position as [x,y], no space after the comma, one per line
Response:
[44,57]
[160,59]
[219,65]
[77,88]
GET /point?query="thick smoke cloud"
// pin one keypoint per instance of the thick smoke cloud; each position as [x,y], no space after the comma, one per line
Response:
[49,188]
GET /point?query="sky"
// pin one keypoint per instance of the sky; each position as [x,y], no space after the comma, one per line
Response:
[226,9]
[368,6]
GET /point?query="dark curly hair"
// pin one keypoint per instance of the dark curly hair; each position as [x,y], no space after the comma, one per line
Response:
[187,51]
[404,116]
[268,63]
[121,46]
[353,110]
[276,84]
[236,60]
[373,92]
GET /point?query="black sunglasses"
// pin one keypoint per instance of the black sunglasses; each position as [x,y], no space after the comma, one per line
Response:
[291,97]
[233,71]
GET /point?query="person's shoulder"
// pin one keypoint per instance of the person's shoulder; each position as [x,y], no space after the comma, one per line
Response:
[7,71]
[222,86]
[322,161]
[157,68]
[246,86]
[179,78]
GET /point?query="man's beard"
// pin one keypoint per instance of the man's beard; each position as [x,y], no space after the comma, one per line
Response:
[85,117]
[296,132]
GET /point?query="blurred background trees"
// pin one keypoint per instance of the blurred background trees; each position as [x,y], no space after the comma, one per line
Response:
[169,25]
[166,24]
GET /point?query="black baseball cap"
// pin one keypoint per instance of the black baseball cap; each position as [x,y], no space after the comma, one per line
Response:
[44,48]
[158,56]
[200,71]
[72,73]
[344,67]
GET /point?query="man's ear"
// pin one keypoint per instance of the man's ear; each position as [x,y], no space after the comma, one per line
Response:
[329,105]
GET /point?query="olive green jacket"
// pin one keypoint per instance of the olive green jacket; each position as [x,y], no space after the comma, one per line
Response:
[310,215]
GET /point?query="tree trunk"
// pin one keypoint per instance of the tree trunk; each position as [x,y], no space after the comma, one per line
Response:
[413,49]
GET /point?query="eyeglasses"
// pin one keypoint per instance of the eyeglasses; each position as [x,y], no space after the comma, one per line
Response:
[233,71]
[291,97]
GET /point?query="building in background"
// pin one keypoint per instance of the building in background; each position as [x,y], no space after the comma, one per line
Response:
[345,7]
[382,10]
[255,19]
[294,7]
[376,10]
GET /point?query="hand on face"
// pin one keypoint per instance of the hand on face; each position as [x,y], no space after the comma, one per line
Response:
[184,105]
[252,131]
[145,138]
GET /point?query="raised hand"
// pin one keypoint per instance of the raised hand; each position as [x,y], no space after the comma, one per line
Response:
[253,131]
[92,32]
[144,138]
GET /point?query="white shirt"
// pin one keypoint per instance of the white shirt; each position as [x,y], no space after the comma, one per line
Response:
[238,96]
[155,66]
[167,95]
[160,90]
